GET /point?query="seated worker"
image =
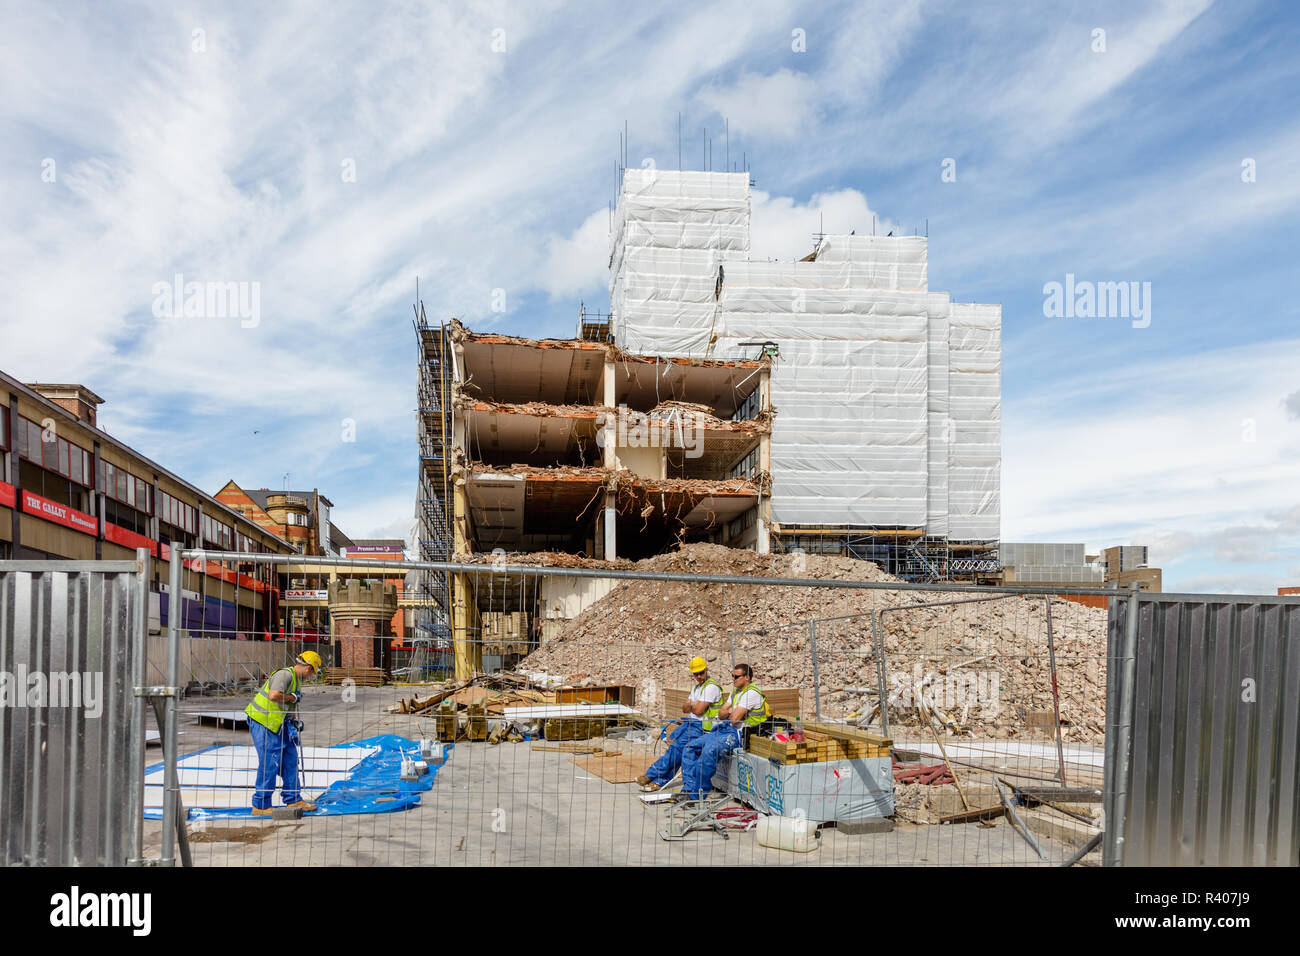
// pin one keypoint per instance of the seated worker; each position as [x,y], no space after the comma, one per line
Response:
[701,711]
[745,707]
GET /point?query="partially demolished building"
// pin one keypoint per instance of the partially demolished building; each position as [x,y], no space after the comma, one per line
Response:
[833,404]
[584,448]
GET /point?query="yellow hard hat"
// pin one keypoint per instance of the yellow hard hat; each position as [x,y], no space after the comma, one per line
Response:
[698,664]
[310,657]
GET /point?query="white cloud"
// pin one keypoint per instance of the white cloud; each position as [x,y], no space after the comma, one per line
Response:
[1186,469]
[1262,584]
[777,106]
[580,260]
[782,228]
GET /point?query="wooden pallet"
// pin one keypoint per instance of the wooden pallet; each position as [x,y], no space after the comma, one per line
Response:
[361,676]
[576,728]
[822,743]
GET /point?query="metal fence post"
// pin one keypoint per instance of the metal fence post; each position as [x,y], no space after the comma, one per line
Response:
[139,651]
[175,604]
[817,683]
[880,673]
[1056,693]
[1123,735]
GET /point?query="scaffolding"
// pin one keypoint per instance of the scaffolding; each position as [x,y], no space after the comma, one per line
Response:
[909,554]
[594,326]
[434,541]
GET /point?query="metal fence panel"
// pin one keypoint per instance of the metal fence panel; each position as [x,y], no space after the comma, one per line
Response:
[977,685]
[71,730]
[1213,773]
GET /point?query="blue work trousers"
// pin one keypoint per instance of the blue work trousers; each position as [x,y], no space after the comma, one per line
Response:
[700,759]
[670,761]
[277,755]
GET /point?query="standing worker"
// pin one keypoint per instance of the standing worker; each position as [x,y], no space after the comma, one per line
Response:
[745,707]
[275,734]
[700,710]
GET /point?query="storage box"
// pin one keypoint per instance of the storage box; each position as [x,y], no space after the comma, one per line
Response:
[598,694]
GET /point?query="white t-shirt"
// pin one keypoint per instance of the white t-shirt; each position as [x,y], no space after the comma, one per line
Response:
[710,693]
[749,699]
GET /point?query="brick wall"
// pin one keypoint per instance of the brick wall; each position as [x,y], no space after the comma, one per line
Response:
[358,641]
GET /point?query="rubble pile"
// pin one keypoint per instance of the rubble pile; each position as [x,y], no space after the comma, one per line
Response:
[982,668]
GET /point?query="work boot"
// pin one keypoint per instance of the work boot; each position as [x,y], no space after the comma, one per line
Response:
[643,780]
[306,805]
[651,787]
[261,811]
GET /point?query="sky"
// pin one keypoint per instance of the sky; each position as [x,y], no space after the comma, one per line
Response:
[317,159]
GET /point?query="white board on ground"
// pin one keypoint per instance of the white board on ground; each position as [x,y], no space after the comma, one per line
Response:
[188,777]
[234,716]
[984,752]
[245,758]
[222,778]
[568,710]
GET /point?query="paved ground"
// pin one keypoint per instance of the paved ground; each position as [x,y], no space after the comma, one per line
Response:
[508,805]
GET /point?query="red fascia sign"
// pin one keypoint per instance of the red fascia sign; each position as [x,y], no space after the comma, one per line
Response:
[230,576]
[129,539]
[7,495]
[59,514]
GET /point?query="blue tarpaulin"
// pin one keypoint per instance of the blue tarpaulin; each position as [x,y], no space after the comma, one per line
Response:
[373,786]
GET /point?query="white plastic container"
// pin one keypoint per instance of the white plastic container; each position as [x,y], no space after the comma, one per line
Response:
[797,834]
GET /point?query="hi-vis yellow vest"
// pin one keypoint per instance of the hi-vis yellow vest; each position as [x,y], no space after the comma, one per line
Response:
[706,718]
[759,714]
[266,711]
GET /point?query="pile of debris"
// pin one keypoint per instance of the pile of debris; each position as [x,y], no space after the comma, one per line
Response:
[487,707]
[981,668]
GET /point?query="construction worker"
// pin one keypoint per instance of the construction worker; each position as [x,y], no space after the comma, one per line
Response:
[699,713]
[275,732]
[745,706]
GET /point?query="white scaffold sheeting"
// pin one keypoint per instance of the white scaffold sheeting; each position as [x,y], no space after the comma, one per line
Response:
[888,396]
[851,434]
[975,445]
[901,263]
[671,230]
[936,512]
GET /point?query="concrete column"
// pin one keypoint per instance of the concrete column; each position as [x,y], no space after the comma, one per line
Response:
[610,451]
[611,536]
[466,638]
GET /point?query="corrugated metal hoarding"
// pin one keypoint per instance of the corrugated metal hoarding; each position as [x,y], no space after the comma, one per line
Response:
[72,650]
[1213,769]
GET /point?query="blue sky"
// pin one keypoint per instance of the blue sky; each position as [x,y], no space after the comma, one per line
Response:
[213,141]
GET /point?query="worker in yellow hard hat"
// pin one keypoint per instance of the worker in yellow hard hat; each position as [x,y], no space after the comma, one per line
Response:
[275,734]
[698,715]
[746,708]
